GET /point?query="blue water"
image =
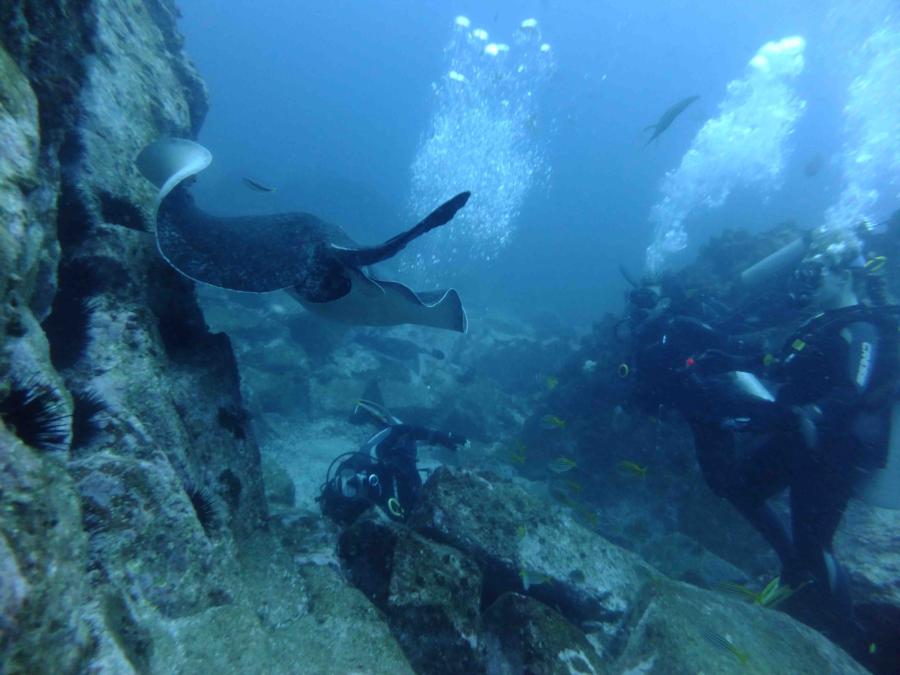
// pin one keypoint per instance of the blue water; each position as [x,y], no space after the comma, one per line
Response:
[336,104]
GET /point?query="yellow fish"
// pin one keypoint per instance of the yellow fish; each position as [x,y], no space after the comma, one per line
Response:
[517,454]
[626,466]
[562,465]
[552,382]
[573,486]
[521,532]
[552,422]
[588,515]
[533,578]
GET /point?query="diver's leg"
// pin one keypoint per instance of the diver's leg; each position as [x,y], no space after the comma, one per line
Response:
[747,484]
[761,474]
[821,486]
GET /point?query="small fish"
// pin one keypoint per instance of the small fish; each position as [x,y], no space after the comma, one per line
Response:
[531,578]
[573,486]
[521,532]
[517,454]
[549,422]
[257,187]
[552,382]
[771,596]
[562,465]
[632,468]
[722,642]
[666,119]
[814,165]
[589,516]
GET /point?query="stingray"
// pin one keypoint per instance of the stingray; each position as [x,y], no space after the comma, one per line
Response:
[315,261]
[666,119]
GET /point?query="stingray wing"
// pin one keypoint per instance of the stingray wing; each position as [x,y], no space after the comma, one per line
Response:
[375,302]
[247,253]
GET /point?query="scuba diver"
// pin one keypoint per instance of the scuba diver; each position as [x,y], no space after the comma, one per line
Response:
[382,472]
[683,363]
[831,428]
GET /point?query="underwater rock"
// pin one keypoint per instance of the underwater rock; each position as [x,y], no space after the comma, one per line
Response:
[140,506]
[43,593]
[868,546]
[525,636]
[280,488]
[430,592]
[289,614]
[681,630]
[83,88]
[433,605]
[682,558]
[525,544]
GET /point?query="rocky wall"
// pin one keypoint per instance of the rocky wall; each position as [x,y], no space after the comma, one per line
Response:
[128,473]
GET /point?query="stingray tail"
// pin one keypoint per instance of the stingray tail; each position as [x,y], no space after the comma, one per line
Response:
[360,257]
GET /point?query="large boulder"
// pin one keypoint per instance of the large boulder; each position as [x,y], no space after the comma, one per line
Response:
[430,592]
[528,545]
[525,636]
[868,546]
[681,629]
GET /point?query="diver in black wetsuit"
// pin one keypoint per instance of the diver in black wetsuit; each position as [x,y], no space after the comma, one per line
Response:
[827,432]
[382,472]
[840,372]
[683,363]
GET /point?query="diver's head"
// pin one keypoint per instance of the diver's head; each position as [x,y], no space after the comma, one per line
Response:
[352,484]
[824,281]
[826,277]
[645,303]
[644,297]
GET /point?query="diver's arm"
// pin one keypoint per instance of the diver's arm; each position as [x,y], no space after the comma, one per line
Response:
[716,352]
[431,436]
[863,358]
[852,384]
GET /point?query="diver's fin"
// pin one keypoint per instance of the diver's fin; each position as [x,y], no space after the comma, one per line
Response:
[882,487]
[168,161]
[377,411]
[359,257]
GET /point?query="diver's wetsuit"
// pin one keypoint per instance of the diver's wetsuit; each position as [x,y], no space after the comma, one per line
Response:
[829,423]
[383,472]
[840,372]
[685,364]
[395,450]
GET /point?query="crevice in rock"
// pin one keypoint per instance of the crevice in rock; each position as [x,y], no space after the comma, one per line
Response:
[67,326]
[134,640]
[235,419]
[73,219]
[232,487]
[118,211]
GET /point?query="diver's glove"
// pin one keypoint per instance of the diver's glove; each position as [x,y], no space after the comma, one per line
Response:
[451,441]
[736,424]
[715,362]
